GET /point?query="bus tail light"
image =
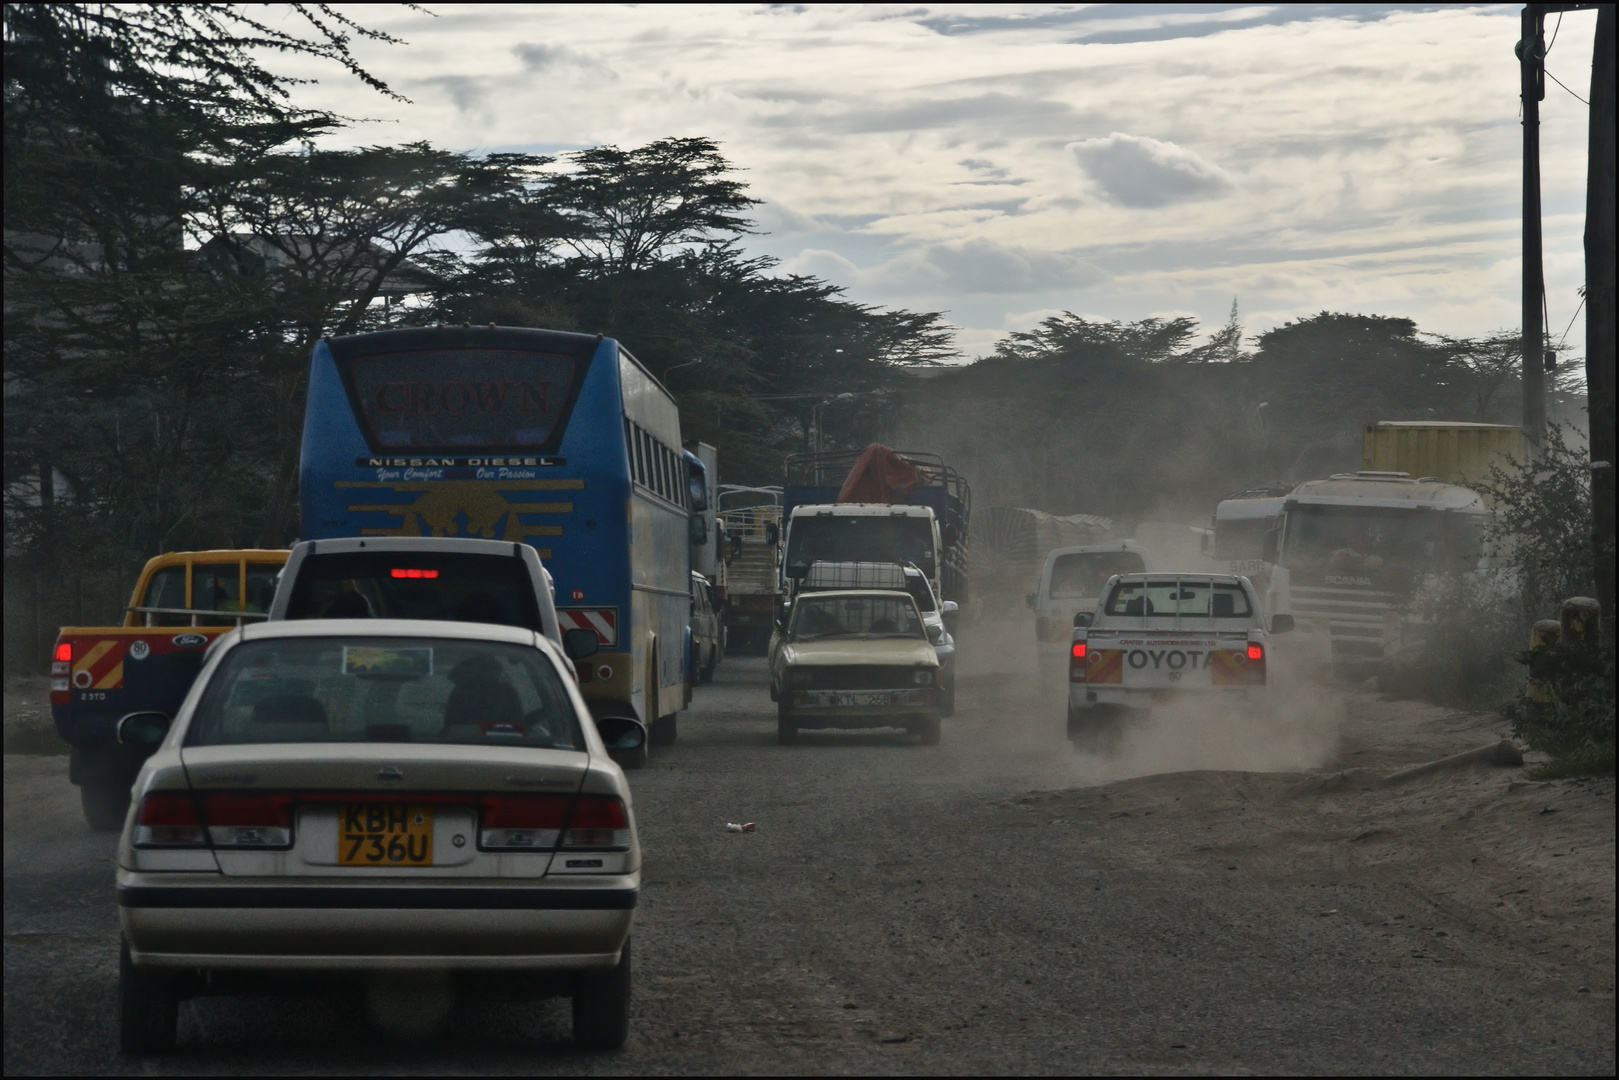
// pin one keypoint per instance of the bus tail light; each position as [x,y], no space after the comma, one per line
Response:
[1078,662]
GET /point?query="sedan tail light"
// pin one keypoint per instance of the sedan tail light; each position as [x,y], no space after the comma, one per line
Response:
[521,822]
[169,819]
[600,823]
[248,819]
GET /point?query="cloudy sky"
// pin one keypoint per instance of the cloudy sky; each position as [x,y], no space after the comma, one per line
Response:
[1002,163]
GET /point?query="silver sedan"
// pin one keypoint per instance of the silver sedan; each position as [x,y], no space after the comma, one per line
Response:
[379,797]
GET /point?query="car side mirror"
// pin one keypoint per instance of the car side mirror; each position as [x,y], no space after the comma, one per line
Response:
[1083,619]
[623,737]
[578,644]
[935,634]
[1282,624]
[1028,601]
[143,729]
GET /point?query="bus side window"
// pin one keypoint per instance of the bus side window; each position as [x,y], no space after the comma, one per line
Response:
[640,457]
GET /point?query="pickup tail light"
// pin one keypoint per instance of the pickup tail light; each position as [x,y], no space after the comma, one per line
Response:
[248,819]
[521,822]
[600,823]
[1077,662]
[1256,663]
[169,819]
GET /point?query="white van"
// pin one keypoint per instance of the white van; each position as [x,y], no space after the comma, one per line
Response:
[1071,581]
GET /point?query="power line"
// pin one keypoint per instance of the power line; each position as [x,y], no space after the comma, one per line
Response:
[1559,82]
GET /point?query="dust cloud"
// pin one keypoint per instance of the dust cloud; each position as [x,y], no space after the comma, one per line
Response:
[1021,709]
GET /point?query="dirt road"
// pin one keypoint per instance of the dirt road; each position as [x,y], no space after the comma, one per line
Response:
[991,904]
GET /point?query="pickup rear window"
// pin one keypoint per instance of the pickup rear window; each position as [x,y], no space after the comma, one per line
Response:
[1197,599]
[400,585]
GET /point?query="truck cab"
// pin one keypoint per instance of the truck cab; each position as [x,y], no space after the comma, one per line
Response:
[182,601]
[861,532]
[1355,548]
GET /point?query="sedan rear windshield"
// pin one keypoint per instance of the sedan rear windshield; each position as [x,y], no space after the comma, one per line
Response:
[405,585]
[385,689]
[1218,600]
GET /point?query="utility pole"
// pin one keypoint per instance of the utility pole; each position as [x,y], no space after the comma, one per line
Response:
[1599,311]
[1531,52]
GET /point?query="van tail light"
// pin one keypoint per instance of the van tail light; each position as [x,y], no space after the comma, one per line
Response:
[1077,662]
[169,819]
[1256,663]
[600,823]
[248,819]
[521,822]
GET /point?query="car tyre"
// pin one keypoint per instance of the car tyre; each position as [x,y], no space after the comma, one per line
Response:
[105,802]
[664,731]
[786,730]
[927,729]
[148,1008]
[601,1006]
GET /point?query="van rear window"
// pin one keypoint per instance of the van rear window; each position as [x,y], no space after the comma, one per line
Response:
[409,585]
[1166,599]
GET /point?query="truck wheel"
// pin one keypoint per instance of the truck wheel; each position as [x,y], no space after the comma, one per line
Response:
[105,802]
[601,1007]
[786,730]
[664,732]
[148,1008]
[927,729]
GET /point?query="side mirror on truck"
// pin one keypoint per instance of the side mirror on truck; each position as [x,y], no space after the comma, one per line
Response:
[1282,624]
[697,530]
[1272,550]
[147,729]
[1084,619]
[578,643]
[1028,601]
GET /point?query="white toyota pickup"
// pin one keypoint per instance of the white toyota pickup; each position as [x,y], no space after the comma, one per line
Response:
[1158,636]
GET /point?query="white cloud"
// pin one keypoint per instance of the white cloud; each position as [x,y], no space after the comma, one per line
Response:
[1137,159]
[1139,172]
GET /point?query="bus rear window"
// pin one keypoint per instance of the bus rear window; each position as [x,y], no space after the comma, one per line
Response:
[397,585]
[459,399]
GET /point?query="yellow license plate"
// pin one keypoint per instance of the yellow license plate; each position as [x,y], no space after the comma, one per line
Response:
[385,834]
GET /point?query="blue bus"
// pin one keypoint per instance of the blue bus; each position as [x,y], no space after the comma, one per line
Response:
[558,440]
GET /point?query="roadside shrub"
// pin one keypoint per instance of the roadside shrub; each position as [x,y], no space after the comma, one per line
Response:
[1572,716]
[1474,633]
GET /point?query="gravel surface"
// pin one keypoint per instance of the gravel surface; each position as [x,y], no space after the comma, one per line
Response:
[993,904]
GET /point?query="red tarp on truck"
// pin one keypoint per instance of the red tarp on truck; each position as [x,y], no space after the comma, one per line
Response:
[879,476]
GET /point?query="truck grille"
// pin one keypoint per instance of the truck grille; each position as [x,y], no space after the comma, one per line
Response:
[1355,618]
[861,677]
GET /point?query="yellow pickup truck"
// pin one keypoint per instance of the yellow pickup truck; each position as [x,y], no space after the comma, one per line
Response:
[182,601]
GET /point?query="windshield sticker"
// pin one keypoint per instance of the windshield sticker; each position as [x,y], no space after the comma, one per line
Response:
[376,660]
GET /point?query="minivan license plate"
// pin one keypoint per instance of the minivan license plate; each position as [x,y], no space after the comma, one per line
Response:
[386,834]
